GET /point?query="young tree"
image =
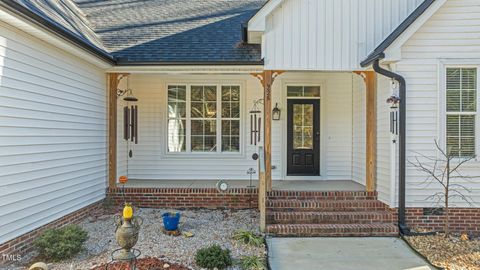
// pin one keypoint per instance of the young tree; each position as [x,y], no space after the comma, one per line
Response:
[445,170]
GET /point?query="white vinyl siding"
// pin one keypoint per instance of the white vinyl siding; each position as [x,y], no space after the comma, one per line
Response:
[53,133]
[329,34]
[359,115]
[151,159]
[448,38]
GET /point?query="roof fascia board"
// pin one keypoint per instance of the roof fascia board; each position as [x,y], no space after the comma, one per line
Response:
[53,36]
[188,69]
[257,22]
[393,51]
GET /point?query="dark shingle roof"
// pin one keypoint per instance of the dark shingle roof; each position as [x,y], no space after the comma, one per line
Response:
[61,17]
[173,31]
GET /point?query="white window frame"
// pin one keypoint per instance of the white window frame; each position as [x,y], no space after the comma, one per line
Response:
[442,101]
[188,119]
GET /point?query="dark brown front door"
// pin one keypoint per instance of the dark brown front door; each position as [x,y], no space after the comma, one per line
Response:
[303,137]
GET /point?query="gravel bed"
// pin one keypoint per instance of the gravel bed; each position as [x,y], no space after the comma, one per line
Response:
[450,253]
[208,226]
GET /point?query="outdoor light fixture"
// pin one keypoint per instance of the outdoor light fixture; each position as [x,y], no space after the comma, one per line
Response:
[276,112]
[128,92]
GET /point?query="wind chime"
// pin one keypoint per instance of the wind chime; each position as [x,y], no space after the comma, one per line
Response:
[394,102]
[130,116]
[255,122]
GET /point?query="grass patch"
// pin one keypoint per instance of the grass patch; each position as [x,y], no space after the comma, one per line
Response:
[249,238]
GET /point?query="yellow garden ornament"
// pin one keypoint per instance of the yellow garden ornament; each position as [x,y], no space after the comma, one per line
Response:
[127,211]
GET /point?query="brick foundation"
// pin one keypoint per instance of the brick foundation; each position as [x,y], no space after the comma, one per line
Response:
[461,220]
[23,244]
[183,198]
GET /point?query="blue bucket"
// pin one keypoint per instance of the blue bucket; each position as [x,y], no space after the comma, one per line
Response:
[171,220]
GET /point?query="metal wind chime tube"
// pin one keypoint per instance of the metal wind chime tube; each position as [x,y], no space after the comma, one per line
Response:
[130,123]
[255,123]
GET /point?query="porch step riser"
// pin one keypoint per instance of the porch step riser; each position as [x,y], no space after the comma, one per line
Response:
[324,206]
[321,195]
[328,218]
[302,230]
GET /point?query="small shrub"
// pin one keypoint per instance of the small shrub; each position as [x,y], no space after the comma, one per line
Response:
[249,238]
[213,257]
[252,263]
[62,243]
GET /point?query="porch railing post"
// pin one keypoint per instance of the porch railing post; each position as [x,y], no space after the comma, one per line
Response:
[370,80]
[262,189]
[112,128]
[267,77]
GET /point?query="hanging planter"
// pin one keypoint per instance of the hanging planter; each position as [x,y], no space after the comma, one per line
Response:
[171,221]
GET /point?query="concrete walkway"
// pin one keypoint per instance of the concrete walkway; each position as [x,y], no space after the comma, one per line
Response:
[354,253]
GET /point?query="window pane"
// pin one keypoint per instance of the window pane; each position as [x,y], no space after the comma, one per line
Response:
[311,91]
[469,101]
[176,125]
[197,93]
[453,100]
[303,91]
[235,127]
[294,91]
[226,93]
[469,78]
[210,110]
[453,78]
[176,135]
[197,109]
[235,112]
[197,143]
[302,126]
[226,110]
[197,127]
[210,144]
[235,93]
[210,93]
[461,135]
[461,89]
[231,111]
[226,127]
[210,127]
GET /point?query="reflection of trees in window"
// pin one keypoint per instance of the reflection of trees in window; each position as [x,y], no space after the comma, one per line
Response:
[177,118]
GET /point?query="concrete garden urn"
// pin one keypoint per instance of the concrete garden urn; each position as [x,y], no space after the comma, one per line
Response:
[126,234]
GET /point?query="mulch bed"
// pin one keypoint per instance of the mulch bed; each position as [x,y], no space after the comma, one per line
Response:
[147,263]
[450,253]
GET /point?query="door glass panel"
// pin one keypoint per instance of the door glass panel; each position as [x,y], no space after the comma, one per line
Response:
[302,126]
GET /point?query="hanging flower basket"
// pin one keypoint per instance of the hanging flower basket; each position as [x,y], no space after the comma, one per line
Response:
[171,220]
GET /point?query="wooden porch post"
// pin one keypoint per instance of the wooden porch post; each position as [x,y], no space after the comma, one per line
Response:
[267,78]
[113,82]
[370,79]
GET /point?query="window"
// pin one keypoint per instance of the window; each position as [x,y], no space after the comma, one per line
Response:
[230,118]
[203,118]
[303,91]
[177,113]
[461,111]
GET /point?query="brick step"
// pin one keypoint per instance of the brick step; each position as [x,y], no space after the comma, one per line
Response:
[366,217]
[321,195]
[301,230]
[325,206]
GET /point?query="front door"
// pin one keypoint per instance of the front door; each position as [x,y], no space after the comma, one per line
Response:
[303,137]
